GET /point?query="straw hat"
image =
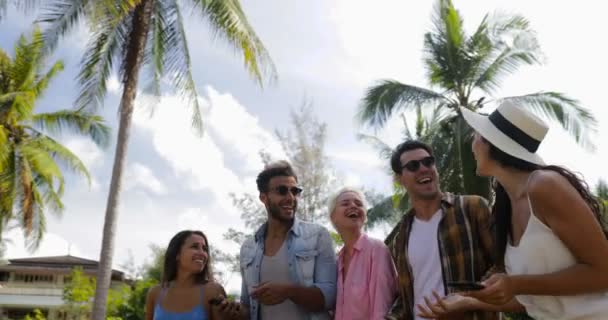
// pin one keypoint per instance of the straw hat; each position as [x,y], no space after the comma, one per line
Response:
[511,129]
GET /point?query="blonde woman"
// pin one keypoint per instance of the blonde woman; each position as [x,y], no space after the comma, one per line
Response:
[367,279]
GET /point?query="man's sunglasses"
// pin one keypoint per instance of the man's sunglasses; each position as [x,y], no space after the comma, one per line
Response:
[283,190]
[414,165]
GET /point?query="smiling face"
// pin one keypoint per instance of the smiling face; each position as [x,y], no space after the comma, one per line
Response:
[422,183]
[281,207]
[193,254]
[349,213]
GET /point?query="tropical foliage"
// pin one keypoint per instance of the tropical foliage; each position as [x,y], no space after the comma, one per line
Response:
[32,161]
[466,70]
[128,35]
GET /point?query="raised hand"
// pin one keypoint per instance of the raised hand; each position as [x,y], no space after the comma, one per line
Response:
[498,290]
[444,307]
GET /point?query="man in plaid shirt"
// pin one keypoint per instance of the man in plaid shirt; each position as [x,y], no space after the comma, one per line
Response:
[442,238]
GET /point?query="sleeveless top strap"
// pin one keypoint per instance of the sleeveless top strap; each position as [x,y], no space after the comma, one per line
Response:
[203,295]
[163,291]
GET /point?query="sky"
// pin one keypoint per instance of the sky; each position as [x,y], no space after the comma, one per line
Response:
[325,51]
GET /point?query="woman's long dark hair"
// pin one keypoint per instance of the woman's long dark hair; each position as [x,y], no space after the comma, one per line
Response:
[173,250]
[501,210]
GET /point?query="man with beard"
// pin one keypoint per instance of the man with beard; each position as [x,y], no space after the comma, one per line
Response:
[289,267]
[443,238]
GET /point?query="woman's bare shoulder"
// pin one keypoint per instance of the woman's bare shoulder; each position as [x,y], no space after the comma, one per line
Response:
[214,289]
[154,292]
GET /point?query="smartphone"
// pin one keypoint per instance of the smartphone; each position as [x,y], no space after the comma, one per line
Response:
[465,285]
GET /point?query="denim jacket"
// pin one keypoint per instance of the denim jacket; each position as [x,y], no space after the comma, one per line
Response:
[312,262]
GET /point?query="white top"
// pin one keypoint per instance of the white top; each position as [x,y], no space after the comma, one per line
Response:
[540,251]
[423,255]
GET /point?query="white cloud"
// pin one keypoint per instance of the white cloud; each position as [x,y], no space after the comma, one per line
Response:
[232,124]
[52,245]
[140,176]
[200,161]
[89,153]
[383,46]
[114,85]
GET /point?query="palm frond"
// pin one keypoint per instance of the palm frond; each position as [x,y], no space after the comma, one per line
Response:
[33,221]
[40,164]
[59,17]
[43,82]
[177,60]
[507,62]
[24,6]
[555,106]
[444,48]
[8,179]
[383,149]
[388,96]
[512,44]
[500,24]
[25,194]
[155,54]
[22,106]
[80,122]
[228,21]
[106,45]
[5,146]
[27,57]
[61,154]
[385,211]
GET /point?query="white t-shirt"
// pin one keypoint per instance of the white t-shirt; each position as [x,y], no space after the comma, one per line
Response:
[423,255]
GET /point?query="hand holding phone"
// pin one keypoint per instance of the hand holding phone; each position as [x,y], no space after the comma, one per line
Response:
[465,285]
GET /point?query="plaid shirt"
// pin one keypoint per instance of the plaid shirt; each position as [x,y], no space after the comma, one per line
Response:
[465,247]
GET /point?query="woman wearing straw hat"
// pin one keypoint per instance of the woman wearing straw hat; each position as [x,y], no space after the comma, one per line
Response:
[550,238]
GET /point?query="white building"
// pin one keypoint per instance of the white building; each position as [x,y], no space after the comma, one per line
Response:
[37,283]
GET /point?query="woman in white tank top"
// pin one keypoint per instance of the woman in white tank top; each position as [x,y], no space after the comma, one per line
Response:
[549,232]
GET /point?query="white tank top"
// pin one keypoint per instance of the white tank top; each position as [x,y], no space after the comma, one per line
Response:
[540,251]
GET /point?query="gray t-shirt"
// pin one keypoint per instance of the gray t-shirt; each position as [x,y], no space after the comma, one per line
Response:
[276,269]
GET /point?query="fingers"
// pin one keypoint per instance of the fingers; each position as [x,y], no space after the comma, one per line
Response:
[439,301]
[492,294]
[425,313]
[259,289]
[435,308]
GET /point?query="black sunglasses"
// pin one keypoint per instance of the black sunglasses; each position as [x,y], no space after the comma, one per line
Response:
[282,190]
[414,165]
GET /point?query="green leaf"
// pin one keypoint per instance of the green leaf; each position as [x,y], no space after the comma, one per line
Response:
[388,96]
[555,106]
[80,122]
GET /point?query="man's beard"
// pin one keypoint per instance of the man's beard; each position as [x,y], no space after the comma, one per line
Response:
[275,212]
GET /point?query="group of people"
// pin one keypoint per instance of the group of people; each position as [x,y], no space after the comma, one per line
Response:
[541,249]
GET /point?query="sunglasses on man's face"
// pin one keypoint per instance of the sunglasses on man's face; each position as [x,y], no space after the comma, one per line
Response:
[283,190]
[414,165]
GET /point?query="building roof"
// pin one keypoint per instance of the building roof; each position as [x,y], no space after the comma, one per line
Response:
[55,263]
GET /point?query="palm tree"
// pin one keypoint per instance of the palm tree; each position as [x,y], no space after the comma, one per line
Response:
[150,33]
[466,70]
[31,161]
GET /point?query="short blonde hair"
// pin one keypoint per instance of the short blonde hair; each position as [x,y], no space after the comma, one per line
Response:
[332,201]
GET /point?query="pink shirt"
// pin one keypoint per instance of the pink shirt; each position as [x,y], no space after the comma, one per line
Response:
[370,286]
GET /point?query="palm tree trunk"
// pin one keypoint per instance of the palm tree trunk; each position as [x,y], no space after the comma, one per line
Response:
[134,58]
